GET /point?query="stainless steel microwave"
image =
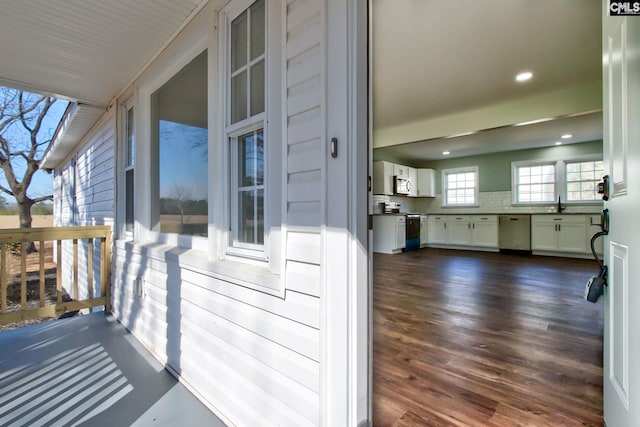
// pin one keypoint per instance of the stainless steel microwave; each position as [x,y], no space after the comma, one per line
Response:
[401,185]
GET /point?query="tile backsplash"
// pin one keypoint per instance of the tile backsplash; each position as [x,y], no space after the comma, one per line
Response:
[490,202]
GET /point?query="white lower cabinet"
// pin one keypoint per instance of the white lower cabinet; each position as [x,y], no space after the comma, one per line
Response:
[437,229]
[559,233]
[479,231]
[484,231]
[458,230]
[389,233]
[424,231]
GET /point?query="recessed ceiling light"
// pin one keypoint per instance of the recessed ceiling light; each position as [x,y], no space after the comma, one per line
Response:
[446,153]
[524,76]
[567,136]
[558,142]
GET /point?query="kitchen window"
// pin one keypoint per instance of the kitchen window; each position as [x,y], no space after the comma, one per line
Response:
[460,186]
[535,183]
[582,180]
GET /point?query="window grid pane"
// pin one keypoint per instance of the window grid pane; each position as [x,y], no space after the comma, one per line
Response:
[247,63]
[536,183]
[250,192]
[582,180]
[461,188]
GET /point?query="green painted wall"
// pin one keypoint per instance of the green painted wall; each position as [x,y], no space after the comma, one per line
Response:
[495,168]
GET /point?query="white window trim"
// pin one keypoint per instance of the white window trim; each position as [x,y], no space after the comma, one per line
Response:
[560,188]
[578,159]
[121,160]
[143,184]
[526,163]
[210,252]
[467,169]
[270,256]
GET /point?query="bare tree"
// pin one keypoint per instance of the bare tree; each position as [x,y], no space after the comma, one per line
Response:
[23,143]
[179,195]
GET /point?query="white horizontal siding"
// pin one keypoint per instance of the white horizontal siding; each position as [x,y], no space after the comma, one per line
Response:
[253,356]
[186,316]
[95,200]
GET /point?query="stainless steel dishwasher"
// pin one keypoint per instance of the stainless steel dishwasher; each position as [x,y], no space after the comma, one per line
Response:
[514,232]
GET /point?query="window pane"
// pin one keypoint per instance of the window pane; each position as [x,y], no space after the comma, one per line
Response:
[582,178]
[259,157]
[461,188]
[129,200]
[239,42]
[130,138]
[180,151]
[257,29]
[246,158]
[260,217]
[246,217]
[239,97]
[257,88]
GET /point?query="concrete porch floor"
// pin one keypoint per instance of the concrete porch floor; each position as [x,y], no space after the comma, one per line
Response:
[89,370]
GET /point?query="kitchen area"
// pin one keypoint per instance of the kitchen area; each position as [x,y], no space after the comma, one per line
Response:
[408,215]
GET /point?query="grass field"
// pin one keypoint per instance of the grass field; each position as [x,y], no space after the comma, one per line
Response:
[13,221]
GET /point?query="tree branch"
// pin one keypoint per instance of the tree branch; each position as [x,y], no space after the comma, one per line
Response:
[6,190]
[42,199]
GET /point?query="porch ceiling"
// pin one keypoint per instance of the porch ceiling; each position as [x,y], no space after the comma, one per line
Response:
[84,50]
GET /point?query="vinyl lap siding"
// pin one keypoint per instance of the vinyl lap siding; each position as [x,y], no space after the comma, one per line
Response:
[304,145]
[252,356]
[95,199]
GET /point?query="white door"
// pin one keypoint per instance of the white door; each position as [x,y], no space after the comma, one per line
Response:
[621,109]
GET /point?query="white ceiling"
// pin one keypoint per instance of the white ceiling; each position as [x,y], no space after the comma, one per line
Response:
[85,50]
[434,59]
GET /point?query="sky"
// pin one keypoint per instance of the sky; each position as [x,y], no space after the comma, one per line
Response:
[42,183]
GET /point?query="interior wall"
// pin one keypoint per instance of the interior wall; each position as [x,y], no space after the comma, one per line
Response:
[495,168]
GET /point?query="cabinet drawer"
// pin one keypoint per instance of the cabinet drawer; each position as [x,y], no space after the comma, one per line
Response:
[436,218]
[484,218]
[559,219]
[457,218]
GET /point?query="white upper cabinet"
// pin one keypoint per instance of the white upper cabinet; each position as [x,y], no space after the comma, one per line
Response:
[383,178]
[413,182]
[402,171]
[426,183]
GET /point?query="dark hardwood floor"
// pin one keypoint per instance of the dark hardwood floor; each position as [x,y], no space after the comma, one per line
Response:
[485,339]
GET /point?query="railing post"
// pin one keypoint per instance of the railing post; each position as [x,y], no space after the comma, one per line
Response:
[107,304]
[3,278]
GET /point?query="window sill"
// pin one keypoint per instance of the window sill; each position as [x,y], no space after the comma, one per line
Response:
[250,276]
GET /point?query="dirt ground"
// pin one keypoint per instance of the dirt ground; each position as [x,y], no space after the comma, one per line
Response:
[33,283]
[12,221]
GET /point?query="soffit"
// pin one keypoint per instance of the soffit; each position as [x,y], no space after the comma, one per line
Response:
[86,50]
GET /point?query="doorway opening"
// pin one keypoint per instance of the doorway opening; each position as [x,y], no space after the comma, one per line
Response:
[464,332]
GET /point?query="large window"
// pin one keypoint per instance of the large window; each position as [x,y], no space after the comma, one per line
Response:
[460,186]
[245,129]
[535,183]
[582,180]
[180,152]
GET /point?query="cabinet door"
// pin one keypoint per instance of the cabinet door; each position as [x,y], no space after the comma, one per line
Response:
[423,233]
[383,178]
[426,183]
[544,236]
[413,182]
[437,232]
[571,237]
[459,232]
[401,238]
[401,170]
[484,234]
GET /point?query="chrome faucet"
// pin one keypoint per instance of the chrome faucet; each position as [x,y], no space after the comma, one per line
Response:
[560,207]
